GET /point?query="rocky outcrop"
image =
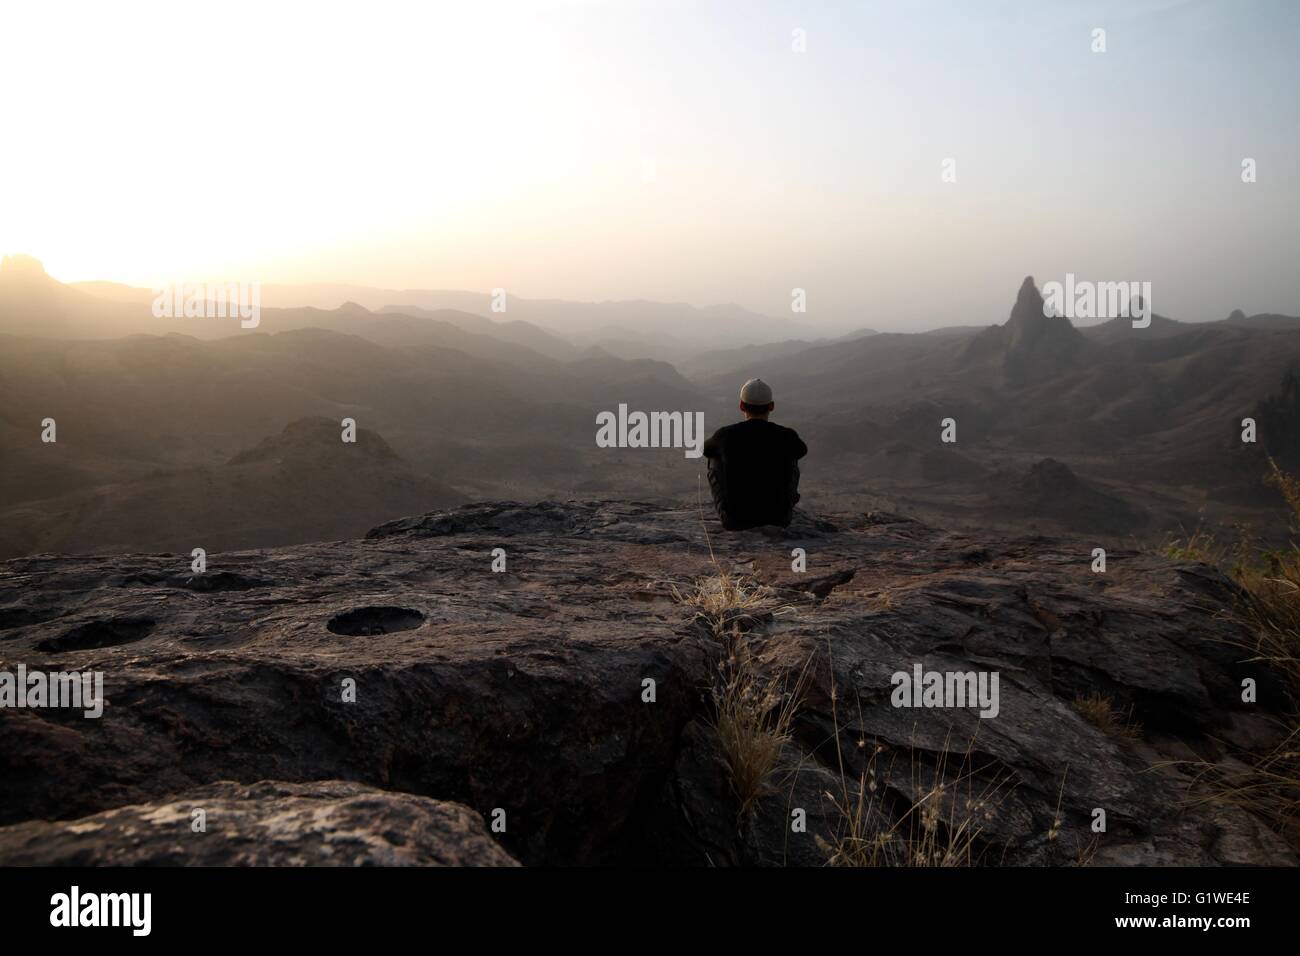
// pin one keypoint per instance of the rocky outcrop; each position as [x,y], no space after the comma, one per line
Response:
[1050,490]
[331,823]
[309,442]
[404,662]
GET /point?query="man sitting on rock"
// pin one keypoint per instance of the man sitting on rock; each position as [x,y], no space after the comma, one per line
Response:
[753,465]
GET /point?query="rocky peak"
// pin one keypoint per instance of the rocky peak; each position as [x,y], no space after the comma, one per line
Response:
[1037,346]
[1029,301]
[1029,326]
[1032,346]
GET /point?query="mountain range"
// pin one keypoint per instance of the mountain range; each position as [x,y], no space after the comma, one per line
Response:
[1139,428]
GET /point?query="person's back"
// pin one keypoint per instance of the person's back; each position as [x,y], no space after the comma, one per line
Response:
[753,465]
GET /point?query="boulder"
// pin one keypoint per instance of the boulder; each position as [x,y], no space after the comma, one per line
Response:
[328,823]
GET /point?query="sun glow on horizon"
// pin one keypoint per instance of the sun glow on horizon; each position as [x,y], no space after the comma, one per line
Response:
[662,151]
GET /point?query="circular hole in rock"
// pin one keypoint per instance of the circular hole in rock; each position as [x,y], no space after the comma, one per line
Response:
[368,621]
[11,617]
[103,633]
[220,581]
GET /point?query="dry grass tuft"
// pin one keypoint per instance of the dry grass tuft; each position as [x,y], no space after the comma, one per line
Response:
[1231,554]
[882,600]
[1288,486]
[725,599]
[1099,710]
[1269,786]
[754,707]
[1200,545]
[939,828]
[754,714]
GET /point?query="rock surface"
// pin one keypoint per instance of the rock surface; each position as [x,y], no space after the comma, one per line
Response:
[523,690]
[332,823]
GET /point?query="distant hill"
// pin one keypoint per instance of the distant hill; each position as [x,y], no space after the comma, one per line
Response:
[583,322]
[519,333]
[143,418]
[1267,321]
[1121,328]
[1041,378]
[737,358]
[32,303]
[505,408]
[629,343]
[303,484]
[1149,417]
[1050,490]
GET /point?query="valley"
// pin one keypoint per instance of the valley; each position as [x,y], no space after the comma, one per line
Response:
[169,440]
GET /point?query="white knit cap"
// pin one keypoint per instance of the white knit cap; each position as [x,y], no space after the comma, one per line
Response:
[756,392]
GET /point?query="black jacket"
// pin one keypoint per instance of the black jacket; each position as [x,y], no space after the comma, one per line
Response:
[754,473]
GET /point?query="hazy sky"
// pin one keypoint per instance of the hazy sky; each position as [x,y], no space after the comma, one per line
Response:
[673,151]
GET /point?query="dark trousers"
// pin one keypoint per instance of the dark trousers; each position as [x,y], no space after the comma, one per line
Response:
[752,507]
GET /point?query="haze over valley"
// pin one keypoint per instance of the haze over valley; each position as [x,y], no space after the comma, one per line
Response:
[183,429]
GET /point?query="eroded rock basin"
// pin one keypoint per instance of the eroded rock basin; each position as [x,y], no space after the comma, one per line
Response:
[371,621]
